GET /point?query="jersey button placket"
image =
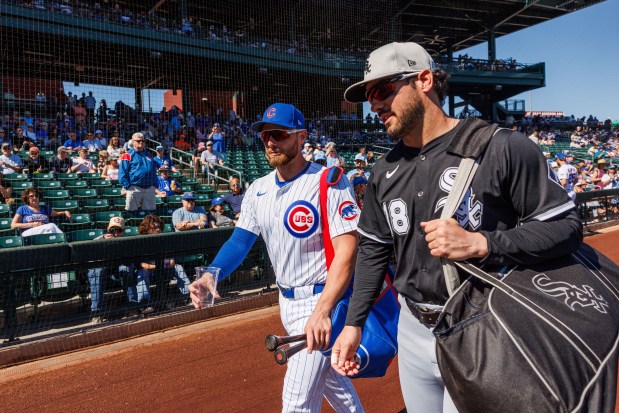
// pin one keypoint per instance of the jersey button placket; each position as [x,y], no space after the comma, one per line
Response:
[420,194]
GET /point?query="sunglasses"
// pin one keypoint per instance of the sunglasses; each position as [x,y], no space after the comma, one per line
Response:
[277,135]
[381,91]
[138,140]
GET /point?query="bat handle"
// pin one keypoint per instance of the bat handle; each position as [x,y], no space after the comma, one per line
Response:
[282,354]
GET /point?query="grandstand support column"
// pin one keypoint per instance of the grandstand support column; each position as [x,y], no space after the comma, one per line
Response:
[187,100]
[183,9]
[491,45]
[452,102]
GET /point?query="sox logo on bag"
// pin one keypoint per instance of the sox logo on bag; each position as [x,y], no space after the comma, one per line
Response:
[584,296]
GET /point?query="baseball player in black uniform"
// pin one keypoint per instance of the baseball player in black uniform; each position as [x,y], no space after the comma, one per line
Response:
[515,211]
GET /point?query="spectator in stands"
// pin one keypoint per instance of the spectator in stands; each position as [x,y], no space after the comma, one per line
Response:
[333,159]
[30,134]
[32,218]
[9,162]
[613,183]
[167,142]
[35,163]
[90,102]
[6,191]
[60,163]
[73,144]
[359,184]
[102,112]
[598,173]
[318,149]
[234,198]
[110,170]
[21,142]
[217,137]
[102,161]
[320,158]
[89,143]
[82,163]
[197,153]
[99,140]
[79,113]
[308,152]
[163,159]
[96,276]
[3,138]
[217,216]
[9,99]
[153,224]
[138,176]
[535,136]
[209,159]
[166,186]
[114,148]
[189,216]
[359,168]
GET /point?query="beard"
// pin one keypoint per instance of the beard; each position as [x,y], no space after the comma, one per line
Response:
[281,158]
[412,113]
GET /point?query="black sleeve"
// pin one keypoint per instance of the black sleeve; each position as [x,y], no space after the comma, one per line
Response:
[549,226]
[534,241]
[370,271]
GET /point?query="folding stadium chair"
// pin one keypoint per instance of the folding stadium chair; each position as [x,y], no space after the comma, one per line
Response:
[5,227]
[47,185]
[11,241]
[15,177]
[42,177]
[54,194]
[84,234]
[167,227]
[202,199]
[67,177]
[95,204]
[76,184]
[89,176]
[64,205]
[111,193]
[5,210]
[135,217]
[130,231]
[85,193]
[45,239]
[78,221]
[102,218]
[175,201]
[119,202]
[22,185]
[100,183]
[205,189]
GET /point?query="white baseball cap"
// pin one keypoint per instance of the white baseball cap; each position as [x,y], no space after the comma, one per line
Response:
[387,62]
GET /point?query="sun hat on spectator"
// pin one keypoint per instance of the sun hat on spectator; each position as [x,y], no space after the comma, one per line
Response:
[281,114]
[359,180]
[188,196]
[98,131]
[116,222]
[215,202]
[62,149]
[113,158]
[4,145]
[387,62]
[602,162]
[329,144]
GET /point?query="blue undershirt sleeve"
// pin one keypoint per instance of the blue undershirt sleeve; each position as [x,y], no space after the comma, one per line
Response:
[234,251]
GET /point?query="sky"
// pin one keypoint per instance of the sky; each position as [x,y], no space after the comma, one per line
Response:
[581,52]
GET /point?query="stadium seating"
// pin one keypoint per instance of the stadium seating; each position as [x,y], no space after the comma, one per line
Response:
[65,205]
[47,185]
[102,218]
[84,234]
[5,227]
[11,241]
[5,210]
[86,193]
[45,239]
[78,221]
[54,194]
[95,204]
[74,184]
[130,231]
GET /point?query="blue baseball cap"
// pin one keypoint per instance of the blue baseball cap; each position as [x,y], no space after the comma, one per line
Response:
[359,180]
[281,114]
[560,156]
[216,201]
[188,196]
[320,156]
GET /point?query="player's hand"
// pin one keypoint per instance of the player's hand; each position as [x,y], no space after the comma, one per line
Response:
[447,239]
[318,330]
[200,287]
[344,351]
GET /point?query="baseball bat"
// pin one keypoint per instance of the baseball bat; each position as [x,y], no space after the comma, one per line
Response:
[272,342]
[282,354]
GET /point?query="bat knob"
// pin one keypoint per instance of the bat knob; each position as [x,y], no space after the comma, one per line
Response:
[281,357]
[271,342]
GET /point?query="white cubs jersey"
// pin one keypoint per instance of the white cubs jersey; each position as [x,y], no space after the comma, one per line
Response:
[570,174]
[287,215]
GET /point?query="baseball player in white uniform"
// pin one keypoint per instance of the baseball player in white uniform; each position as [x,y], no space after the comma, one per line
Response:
[283,207]
[567,174]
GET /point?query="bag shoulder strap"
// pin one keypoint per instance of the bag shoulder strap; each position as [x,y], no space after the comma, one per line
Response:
[470,142]
[330,176]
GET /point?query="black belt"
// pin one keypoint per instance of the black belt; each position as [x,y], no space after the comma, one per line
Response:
[426,316]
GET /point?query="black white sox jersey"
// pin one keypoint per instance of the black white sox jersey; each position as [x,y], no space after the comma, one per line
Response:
[512,186]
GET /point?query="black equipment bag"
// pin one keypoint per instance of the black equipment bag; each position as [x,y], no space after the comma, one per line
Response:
[537,339]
